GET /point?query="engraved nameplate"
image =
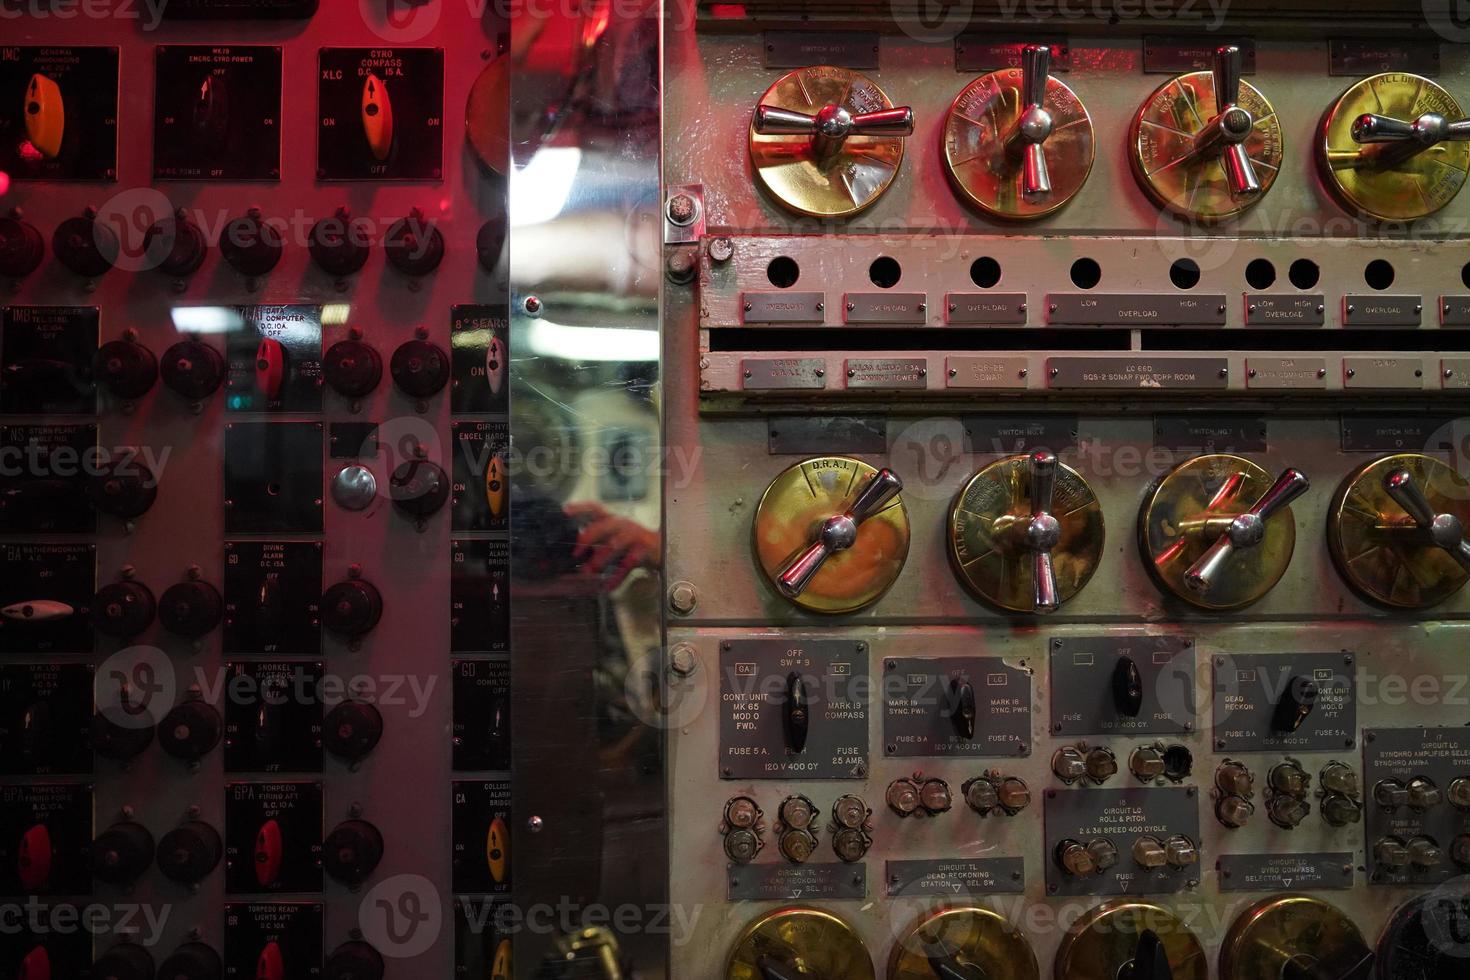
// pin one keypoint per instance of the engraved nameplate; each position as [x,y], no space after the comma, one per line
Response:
[790,882]
[956,877]
[1282,310]
[1285,872]
[1382,311]
[887,372]
[1139,372]
[1454,373]
[1454,311]
[797,49]
[1359,56]
[1382,372]
[1135,309]
[985,372]
[987,308]
[782,307]
[783,372]
[976,52]
[1163,55]
[886,307]
[1285,372]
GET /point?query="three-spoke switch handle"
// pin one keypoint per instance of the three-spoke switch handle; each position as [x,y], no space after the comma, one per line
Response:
[1227,132]
[833,122]
[1247,530]
[1445,530]
[839,532]
[1043,531]
[1423,131]
[1035,123]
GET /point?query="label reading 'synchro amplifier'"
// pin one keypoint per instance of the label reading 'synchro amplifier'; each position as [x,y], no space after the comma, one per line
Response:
[1135,310]
[756,678]
[1413,772]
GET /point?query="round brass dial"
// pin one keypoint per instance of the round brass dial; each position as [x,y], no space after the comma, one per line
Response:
[1190,508]
[790,517]
[1285,929]
[1103,941]
[988,171]
[1161,148]
[829,185]
[986,534]
[1384,180]
[1377,546]
[808,942]
[972,937]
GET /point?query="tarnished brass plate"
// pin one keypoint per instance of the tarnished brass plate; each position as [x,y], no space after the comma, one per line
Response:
[974,937]
[975,152]
[855,176]
[985,525]
[1381,180]
[1190,508]
[792,511]
[808,941]
[1375,544]
[1161,145]
[1283,929]
[1102,942]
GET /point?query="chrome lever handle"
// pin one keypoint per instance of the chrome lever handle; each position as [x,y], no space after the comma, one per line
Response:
[1445,530]
[1425,130]
[1247,530]
[830,126]
[1232,125]
[1035,124]
[1043,531]
[839,532]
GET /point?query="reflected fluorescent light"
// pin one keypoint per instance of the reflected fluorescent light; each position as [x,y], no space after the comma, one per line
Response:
[335,314]
[592,343]
[539,190]
[206,319]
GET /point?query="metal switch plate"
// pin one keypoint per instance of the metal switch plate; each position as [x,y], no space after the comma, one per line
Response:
[1082,684]
[1248,687]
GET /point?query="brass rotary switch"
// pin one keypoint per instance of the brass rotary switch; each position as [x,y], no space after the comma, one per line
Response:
[1396,531]
[1206,145]
[832,533]
[1018,142]
[1130,940]
[1394,147]
[799,944]
[1286,937]
[1026,533]
[1217,532]
[826,141]
[963,944]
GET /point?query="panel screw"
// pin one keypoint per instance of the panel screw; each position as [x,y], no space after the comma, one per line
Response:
[682,661]
[682,210]
[721,250]
[535,825]
[532,305]
[683,597]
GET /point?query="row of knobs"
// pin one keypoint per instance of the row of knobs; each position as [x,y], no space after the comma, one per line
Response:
[1094,857]
[353,960]
[193,728]
[1287,789]
[1019,143]
[251,244]
[195,370]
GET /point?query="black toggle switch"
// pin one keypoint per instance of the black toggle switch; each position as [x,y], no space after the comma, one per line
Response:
[1127,688]
[352,729]
[796,714]
[123,609]
[418,488]
[122,852]
[420,368]
[353,368]
[125,961]
[352,851]
[21,247]
[962,713]
[354,960]
[120,742]
[193,369]
[126,368]
[944,961]
[193,961]
[189,852]
[85,246]
[190,730]
[1295,705]
[1150,959]
[123,488]
[340,244]
[191,609]
[251,245]
[414,246]
[175,245]
[352,608]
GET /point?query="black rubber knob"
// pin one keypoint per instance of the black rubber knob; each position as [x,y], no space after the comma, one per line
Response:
[340,245]
[120,742]
[124,488]
[85,246]
[1127,688]
[175,246]
[1296,704]
[355,960]
[21,248]
[125,368]
[353,368]
[192,961]
[125,961]
[352,851]
[190,852]
[962,708]
[489,243]
[420,368]
[123,609]
[190,730]
[191,609]
[414,245]
[418,488]
[193,369]
[796,714]
[352,730]
[352,607]
[122,852]
[251,245]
